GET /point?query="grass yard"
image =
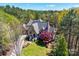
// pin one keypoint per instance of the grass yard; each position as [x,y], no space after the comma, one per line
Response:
[35,50]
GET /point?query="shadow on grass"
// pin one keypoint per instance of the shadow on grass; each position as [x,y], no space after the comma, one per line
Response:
[40,43]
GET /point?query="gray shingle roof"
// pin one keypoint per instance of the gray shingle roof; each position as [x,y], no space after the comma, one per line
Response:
[40,23]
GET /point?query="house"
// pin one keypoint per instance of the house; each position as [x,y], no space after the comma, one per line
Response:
[35,26]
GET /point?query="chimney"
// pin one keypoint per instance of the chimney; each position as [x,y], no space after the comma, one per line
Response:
[48,23]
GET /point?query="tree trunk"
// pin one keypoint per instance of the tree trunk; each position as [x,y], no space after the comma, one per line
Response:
[69,37]
[76,44]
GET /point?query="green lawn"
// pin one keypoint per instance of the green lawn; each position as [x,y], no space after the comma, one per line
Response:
[35,50]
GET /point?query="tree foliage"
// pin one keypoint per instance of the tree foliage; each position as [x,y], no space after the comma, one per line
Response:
[61,46]
[9,30]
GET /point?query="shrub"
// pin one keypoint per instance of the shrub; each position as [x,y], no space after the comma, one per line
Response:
[46,36]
